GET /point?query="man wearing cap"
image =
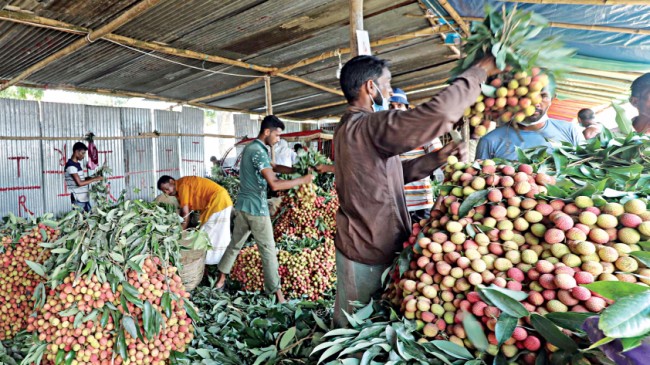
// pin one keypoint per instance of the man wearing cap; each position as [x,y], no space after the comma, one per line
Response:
[418,194]
[533,131]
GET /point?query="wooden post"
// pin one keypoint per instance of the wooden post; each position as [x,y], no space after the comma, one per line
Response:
[269,107]
[454,15]
[124,18]
[356,23]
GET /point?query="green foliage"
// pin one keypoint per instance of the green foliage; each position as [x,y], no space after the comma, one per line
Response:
[511,36]
[228,182]
[237,328]
[610,167]
[307,162]
[378,336]
[22,93]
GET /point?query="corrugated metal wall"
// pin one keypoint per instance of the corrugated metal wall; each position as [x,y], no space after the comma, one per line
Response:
[21,178]
[139,155]
[167,148]
[192,148]
[31,171]
[59,120]
[105,121]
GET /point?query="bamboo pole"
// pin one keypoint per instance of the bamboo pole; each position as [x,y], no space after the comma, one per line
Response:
[454,15]
[310,83]
[330,54]
[582,2]
[443,36]
[597,28]
[267,92]
[53,24]
[124,18]
[356,23]
[415,87]
[323,106]
[228,91]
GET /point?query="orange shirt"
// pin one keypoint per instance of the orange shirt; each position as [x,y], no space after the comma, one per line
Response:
[202,194]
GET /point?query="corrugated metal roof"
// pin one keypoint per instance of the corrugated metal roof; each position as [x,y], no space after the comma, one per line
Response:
[274,33]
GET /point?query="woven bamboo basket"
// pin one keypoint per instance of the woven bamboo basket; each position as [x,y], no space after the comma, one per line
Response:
[193,262]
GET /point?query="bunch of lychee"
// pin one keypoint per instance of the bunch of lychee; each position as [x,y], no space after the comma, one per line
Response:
[514,100]
[545,248]
[309,213]
[308,273]
[17,279]
[78,318]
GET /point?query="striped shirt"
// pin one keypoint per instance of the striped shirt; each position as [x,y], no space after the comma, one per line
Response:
[418,194]
[78,193]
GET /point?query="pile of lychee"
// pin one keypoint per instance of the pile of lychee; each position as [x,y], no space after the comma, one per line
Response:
[78,319]
[545,248]
[309,213]
[17,280]
[513,99]
[307,273]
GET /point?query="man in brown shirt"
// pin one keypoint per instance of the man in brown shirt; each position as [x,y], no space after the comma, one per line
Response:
[373,220]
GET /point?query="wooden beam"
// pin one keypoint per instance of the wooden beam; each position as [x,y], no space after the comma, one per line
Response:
[323,106]
[124,18]
[267,92]
[312,84]
[53,24]
[582,2]
[415,87]
[454,15]
[426,32]
[356,23]
[443,36]
[597,28]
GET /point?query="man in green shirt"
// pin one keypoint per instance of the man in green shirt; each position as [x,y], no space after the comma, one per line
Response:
[255,173]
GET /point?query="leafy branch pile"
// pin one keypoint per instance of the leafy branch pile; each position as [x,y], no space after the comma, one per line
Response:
[113,293]
[511,36]
[228,182]
[19,248]
[609,167]
[307,268]
[306,163]
[537,256]
[252,330]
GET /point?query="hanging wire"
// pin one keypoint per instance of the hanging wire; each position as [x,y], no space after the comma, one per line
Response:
[180,63]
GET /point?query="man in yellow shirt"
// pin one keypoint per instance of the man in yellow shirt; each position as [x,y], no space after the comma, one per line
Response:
[214,203]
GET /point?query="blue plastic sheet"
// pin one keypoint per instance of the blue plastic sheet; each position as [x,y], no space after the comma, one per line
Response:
[605,45]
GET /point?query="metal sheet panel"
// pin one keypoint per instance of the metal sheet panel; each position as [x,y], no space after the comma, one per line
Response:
[59,120]
[139,156]
[167,148]
[192,148]
[21,180]
[105,122]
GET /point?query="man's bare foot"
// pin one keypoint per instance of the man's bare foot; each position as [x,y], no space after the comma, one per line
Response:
[280,296]
[221,283]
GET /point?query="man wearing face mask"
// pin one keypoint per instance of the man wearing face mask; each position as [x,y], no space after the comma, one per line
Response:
[640,99]
[534,131]
[373,221]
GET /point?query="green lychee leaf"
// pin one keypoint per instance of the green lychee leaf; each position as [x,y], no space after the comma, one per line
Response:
[475,332]
[552,333]
[569,320]
[505,303]
[616,289]
[505,327]
[452,349]
[473,200]
[628,317]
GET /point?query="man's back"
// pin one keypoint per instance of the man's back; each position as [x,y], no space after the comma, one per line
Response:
[197,192]
[501,142]
[252,193]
